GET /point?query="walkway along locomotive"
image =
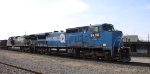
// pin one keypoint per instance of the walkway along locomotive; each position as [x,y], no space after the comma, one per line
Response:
[99,41]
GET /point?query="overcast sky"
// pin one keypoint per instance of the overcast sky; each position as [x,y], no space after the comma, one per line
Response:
[38,16]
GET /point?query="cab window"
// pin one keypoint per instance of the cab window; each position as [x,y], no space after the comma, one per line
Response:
[85,29]
[80,29]
[108,28]
[94,29]
[73,30]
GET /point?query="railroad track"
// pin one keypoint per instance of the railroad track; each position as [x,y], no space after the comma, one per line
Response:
[20,68]
[126,63]
[135,64]
[140,55]
[104,61]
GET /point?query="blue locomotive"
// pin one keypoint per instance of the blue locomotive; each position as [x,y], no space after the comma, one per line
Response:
[99,41]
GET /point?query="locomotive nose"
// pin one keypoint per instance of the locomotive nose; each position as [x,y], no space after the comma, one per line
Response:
[118,43]
[116,39]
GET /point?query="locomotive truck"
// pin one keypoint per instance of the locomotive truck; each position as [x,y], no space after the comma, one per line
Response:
[100,41]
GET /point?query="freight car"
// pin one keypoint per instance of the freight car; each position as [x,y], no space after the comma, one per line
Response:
[99,41]
[3,44]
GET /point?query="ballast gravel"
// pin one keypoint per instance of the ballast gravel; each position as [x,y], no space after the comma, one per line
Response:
[59,65]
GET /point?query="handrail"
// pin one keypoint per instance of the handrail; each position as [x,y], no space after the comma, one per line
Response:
[114,44]
[115,41]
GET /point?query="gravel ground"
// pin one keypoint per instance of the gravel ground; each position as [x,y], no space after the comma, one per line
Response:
[58,65]
[141,59]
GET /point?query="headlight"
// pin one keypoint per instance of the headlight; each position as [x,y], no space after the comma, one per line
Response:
[104,44]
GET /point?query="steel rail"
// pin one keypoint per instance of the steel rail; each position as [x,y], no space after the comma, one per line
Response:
[21,68]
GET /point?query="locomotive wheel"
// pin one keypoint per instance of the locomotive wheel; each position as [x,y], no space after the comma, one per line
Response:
[94,56]
[49,51]
[11,48]
[28,50]
[124,57]
[41,51]
[102,58]
[46,51]
[31,50]
[115,60]
[77,53]
[107,57]
[83,55]
[37,49]
[34,50]
[21,48]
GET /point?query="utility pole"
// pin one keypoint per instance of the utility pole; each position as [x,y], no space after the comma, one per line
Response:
[148,37]
[25,32]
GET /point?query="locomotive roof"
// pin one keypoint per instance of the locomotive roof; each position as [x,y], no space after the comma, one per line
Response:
[46,33]
[42,34]
[88,26]
[15,36]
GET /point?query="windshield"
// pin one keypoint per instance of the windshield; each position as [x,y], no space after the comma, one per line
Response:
[108,28]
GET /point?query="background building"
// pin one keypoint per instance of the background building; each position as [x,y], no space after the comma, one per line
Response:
[138,46]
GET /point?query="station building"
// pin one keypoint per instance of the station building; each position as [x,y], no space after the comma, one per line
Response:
[138,47]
